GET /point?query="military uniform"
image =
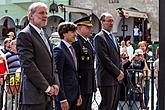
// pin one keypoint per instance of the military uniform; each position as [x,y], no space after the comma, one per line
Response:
[86,73]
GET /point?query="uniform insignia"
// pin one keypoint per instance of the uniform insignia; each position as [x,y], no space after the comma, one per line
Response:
[88,58]
[79,76]
[85,50]
[82,57]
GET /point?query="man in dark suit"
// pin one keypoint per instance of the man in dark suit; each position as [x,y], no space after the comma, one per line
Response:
[85,53]
[39,76]
[65,57]
[108,63]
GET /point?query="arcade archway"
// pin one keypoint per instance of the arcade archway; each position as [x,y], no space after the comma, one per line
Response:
[6,25]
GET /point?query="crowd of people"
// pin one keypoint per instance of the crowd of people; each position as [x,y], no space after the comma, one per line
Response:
[65,75]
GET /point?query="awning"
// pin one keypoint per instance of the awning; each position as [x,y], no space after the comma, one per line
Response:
[77,10]
[133,13]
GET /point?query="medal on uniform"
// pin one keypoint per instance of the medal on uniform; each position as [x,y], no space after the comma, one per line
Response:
[88,58]
[82,57]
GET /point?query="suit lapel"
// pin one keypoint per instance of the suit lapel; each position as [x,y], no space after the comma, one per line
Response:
[37,36]
[48,39]
[68,53]
[111,41]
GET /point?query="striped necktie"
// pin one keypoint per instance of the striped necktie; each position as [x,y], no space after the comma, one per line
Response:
[74,56]
[45,41]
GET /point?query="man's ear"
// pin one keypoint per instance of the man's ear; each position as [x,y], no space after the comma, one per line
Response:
[30,16]
[65,34]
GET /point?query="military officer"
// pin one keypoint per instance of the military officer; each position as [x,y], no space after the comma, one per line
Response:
[85,56]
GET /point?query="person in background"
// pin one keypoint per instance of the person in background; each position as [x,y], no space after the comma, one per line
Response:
[3,64]
[156,73]
[66,60]
[147,72]
[12,57]
[123,47]
[130,49]
[108,64]
[138,58]
[13,64]
[6,47]
[40,81]
[136,34]
[136,92]
[11,35]
[156,67]
[124,86]
[138,61]
[142,45]
[149,51]
[3,70]
[85,58]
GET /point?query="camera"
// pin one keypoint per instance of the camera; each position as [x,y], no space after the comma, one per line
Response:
[137,65]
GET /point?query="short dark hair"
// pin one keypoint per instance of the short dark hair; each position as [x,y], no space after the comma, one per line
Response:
[65,27]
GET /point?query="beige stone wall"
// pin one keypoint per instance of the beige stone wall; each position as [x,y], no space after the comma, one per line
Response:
[149,6]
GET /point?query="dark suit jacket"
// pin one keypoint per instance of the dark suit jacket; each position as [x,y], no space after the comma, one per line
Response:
[108,60]
[69,87]
[37,65]
[86,72]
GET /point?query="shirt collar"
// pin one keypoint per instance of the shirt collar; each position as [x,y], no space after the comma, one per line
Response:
[107,31]
[36,28]
[66,43]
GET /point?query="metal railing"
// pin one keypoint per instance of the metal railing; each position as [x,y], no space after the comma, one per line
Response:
[9,91]
[133,91]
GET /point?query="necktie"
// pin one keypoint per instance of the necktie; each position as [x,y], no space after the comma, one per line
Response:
[45,41]
[114,40]
[74,56]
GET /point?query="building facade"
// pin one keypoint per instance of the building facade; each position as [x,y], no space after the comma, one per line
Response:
[141,13]
[13,16]
[133,10]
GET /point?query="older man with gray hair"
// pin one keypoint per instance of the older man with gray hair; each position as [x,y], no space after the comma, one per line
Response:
[39,75]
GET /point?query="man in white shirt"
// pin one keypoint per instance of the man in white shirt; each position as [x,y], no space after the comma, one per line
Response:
[136,34]
[130,49]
